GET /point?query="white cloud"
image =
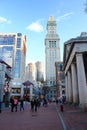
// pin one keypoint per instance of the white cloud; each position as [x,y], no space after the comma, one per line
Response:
[4,20]
[35,26]
[64,16]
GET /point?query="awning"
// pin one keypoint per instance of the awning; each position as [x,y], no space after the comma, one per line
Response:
[27,83]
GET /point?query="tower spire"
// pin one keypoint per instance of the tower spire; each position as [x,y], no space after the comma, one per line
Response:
[51,18]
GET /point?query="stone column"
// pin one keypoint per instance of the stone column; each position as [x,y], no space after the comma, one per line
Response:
[31,92]
[70,87]
[81,80]
[74,84]
[66,88]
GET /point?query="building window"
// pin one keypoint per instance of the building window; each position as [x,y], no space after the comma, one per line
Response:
[19,34]
[17,65]
[52,44]
[18,42]
[60,67]
[16,90]
[6,40]
[63,92]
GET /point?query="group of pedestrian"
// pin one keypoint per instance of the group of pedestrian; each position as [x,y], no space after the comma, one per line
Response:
[34,104]
[14,104]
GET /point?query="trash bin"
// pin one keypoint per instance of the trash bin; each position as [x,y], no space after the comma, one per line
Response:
[61,108]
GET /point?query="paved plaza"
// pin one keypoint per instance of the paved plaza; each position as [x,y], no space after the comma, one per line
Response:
[46,118]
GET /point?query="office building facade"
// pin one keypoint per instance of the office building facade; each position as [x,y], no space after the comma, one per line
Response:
[31,72]
[60,80]
[13,52]
[40,71]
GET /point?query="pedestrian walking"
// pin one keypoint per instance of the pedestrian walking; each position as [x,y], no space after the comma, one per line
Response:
[32,105]
[39,102]
[0,106]
[35,104]
[62,105]
[21,104]
[12,104]
[44,102]
[15,103]
[56,100]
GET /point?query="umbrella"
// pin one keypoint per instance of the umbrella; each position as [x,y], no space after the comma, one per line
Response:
[27,83]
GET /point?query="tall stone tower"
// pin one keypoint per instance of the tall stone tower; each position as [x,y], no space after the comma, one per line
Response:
[52,53]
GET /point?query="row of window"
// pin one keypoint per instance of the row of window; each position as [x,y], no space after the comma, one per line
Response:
[60,67]
[10,41]
[18,42]
[16,90]
[52,44]
[17,65]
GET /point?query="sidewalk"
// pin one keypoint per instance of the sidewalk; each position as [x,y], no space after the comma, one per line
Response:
[46,118]
[73,117]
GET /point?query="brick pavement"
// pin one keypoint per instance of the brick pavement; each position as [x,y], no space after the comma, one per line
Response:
[45,119]
[73,117]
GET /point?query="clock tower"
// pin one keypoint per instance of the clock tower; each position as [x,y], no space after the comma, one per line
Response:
[52,55]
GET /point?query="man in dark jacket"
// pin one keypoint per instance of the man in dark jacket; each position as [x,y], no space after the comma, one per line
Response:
[12,103]
[35,104]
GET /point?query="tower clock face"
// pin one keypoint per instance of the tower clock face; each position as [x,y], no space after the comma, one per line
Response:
[51,29]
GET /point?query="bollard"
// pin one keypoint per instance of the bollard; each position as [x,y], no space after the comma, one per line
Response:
[61,108]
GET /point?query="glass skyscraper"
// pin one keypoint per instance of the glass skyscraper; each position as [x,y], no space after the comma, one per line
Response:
[13,52]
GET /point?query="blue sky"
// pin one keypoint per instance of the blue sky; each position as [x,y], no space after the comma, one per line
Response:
[30,18]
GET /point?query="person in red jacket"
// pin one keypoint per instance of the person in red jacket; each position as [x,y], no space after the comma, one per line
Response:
[15,103]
